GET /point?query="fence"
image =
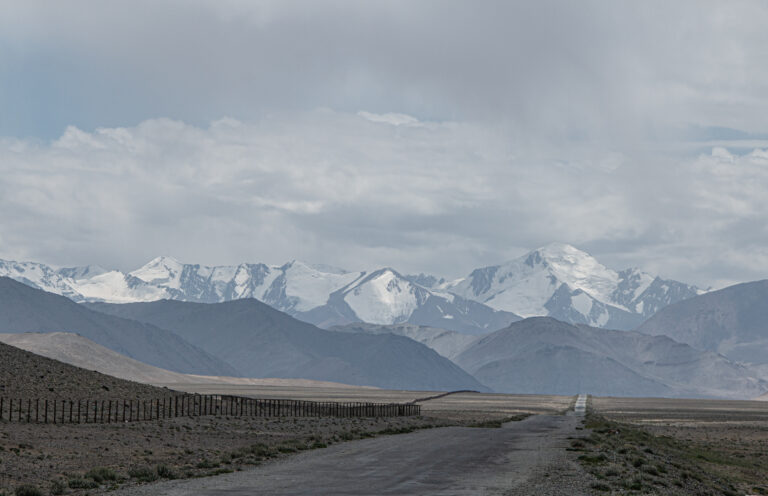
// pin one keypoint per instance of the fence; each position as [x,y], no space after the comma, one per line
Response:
[108,411]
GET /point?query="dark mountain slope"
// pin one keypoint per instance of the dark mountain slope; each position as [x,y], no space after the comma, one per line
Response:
[544,355]
[263,342]
[732,321]
[25,309]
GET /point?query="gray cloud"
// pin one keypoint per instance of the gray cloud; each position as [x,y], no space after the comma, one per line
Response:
[598,71]
[202,130]
[343,189]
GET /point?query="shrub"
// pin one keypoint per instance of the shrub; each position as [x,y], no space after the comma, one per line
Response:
[165,472]
[82,484]
[101,474]
[593,460]
[57,488]
[205,463]
[143,474]
[27,491]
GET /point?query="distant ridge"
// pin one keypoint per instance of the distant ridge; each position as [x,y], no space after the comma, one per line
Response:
[561,281]
[76,350]
[262,342]
[447,343]
[25,309]
[556,280]
[732,321]
[544,355]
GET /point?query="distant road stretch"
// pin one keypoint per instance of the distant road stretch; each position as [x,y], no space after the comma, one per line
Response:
[526,457]
[581,405]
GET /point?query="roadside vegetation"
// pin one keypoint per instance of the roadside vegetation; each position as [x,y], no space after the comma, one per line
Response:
[627,459]
[92,459]
[497,423]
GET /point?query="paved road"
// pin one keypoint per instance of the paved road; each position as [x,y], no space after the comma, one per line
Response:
[519,458]
[581,405]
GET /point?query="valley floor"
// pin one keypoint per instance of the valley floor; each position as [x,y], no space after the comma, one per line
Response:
[93,458]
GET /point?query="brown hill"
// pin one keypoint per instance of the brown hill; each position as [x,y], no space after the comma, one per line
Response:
[26,375]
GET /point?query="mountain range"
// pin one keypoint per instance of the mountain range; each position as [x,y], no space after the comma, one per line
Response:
[259,341]
[568,284]
[732,321]
[557,280]
[25,309]
[544,355]
[248,338]
[241,338]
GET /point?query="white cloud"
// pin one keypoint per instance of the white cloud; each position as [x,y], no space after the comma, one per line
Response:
[337,188]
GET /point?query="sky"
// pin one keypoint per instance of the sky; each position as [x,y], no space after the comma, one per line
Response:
[429,136]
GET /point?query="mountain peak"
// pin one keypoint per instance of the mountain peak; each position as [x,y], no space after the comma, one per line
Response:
[82,272]
[563,252]
[163,260]
[163,268]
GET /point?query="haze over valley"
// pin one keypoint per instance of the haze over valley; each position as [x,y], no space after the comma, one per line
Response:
[552,321]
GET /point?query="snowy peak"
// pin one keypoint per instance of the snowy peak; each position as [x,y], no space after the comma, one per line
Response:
[40,276]
[557,280]
[561,281]
[300,287]
[579,270]
[84,272]
[165,271]
[385,297]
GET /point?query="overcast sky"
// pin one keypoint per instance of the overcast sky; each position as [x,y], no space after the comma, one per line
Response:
[427,136]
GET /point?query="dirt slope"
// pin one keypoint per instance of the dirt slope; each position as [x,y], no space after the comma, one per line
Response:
[26,375]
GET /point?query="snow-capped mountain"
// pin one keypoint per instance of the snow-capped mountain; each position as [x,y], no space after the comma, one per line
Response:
[568,284]
[557,280]
[43,277]
[385,297]
[318,294]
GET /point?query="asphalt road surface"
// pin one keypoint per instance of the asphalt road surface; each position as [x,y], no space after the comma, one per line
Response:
[526,457]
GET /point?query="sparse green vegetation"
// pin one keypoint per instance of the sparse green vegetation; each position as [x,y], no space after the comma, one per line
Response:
[143,474]
[57,488]
[80,483]
[624,457]
[497,423]
[27,490]
[101,474]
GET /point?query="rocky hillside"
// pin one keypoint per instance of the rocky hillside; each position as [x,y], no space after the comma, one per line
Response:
[29,376]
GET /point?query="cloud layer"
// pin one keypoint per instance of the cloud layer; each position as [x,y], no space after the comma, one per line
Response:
[433,135]
[361,190]
[601,71]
